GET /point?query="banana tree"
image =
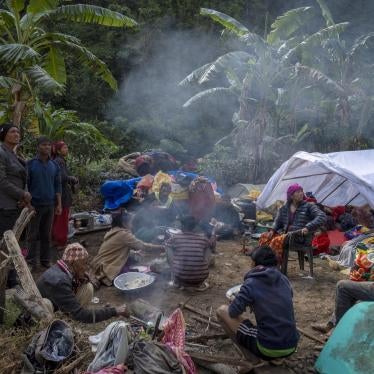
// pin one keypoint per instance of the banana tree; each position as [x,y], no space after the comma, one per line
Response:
[278,80]
[33,58]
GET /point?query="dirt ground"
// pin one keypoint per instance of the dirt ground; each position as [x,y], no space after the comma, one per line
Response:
[313,300]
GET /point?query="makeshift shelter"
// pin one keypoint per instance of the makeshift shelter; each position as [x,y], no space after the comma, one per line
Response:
[339,178]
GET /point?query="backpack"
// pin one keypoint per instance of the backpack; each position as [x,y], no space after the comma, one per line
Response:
[48,348]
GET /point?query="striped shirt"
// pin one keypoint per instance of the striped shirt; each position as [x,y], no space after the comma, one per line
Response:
[190,257]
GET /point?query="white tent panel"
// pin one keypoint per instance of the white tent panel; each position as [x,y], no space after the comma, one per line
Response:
[335,178]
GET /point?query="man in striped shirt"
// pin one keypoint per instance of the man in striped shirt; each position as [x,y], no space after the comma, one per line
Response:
[189,255]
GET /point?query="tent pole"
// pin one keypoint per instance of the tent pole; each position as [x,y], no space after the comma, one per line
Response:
[333,191]
[352,199]
[305,176]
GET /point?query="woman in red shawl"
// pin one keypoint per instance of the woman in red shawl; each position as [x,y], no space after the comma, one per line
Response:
[61,223]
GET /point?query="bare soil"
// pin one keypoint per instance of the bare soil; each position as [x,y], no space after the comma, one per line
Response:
[313,300]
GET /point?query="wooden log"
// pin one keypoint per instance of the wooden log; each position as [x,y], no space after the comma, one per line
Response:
[32,304]
[23,271]
[220,359]
[24,274]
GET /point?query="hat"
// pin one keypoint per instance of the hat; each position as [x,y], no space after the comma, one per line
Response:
[74,252]
[292,189]
[4,130]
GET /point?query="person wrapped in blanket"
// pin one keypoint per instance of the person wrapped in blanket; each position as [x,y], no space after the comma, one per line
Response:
[360,287]
[268,293]
[296,215]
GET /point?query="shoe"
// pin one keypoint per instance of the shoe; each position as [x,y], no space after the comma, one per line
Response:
[322,327]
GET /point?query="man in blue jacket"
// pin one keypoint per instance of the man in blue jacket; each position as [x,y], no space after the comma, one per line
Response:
[44,184]
[268,293]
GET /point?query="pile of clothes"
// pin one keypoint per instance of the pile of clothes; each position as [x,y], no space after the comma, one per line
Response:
[118,348]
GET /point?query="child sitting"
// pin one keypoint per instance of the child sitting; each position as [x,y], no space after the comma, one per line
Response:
[320,242]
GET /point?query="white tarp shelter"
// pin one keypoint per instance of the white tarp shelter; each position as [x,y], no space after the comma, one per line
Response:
[339,178]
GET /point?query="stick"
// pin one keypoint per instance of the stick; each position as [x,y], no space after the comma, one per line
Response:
[202,338]
[310,336]
[69,368]
[185,303]
[196,345]
[218,326]
[220,359]
[194,310]
[210,317]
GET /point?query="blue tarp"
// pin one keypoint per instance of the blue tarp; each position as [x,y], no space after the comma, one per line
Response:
[350,349]
[119,192]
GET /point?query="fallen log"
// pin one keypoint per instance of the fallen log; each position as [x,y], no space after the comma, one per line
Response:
[220,359]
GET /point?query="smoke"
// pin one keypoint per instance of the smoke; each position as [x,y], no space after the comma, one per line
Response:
[151,101]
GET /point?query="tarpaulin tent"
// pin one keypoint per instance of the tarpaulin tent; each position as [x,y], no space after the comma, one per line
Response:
[339,178]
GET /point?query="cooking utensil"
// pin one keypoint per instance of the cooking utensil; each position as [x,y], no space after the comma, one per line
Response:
[133,281]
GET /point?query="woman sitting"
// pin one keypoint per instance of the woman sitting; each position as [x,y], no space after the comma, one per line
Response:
[296,215]
[115,249]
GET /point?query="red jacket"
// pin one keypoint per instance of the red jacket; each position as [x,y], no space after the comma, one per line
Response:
[321,244]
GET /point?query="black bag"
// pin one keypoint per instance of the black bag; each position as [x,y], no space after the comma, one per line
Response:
[48,348]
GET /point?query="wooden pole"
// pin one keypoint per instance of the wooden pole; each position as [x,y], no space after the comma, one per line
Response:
[18,228]
[27,281]
[23,271]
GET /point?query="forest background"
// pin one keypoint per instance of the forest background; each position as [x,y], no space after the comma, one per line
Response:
[151,109]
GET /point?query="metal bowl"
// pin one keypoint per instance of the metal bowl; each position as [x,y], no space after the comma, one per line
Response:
[232,292]
[133,281]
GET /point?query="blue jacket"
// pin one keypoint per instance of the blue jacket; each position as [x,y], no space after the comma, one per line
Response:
[43,182]
[269,294]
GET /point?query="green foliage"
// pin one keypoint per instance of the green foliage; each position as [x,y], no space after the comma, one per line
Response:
[226,21]
[285,26]
[36,58]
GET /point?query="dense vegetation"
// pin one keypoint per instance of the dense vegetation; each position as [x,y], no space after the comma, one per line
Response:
[298,81]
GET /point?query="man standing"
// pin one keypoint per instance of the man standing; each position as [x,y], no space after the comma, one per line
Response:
[44,184]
